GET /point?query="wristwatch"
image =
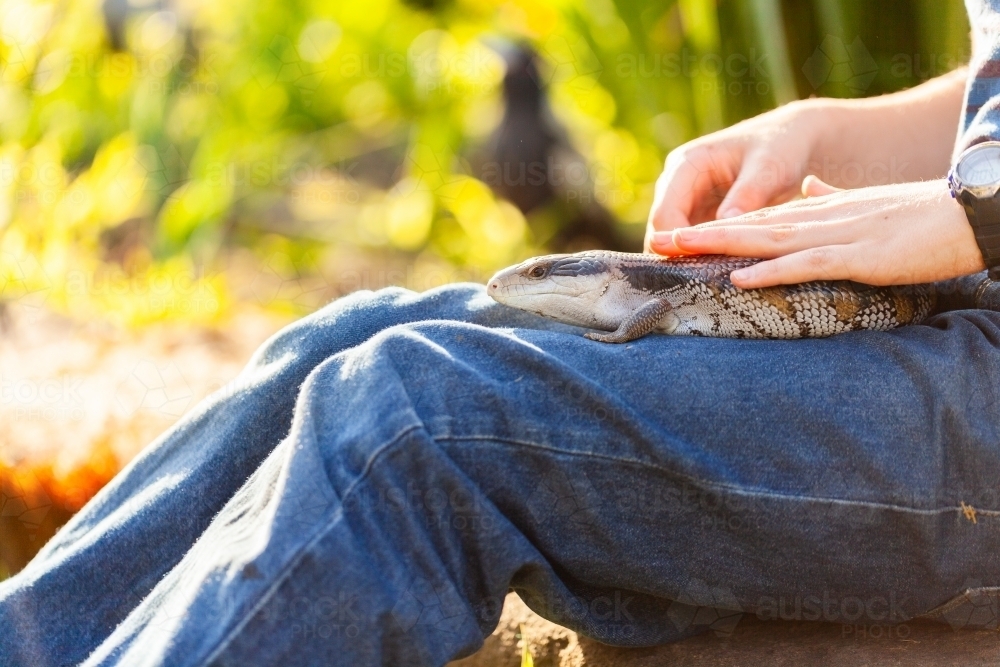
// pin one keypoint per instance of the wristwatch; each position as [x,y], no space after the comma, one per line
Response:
[975,182]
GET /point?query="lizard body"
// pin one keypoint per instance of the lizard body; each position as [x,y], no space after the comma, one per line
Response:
[629,295]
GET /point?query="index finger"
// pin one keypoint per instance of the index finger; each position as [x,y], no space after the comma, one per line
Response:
[685,194]
[686,190]
[673,198]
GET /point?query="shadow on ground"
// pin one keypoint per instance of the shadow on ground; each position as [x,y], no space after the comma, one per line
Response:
[753,642]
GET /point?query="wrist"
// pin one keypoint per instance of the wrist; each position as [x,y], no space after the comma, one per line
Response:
[974,182]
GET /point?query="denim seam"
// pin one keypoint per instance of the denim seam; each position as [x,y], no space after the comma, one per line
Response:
[298,555]
[719,485]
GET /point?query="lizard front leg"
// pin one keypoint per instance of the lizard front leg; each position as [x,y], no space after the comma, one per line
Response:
[636,325]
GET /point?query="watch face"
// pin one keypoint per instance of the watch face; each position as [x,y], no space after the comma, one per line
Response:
[980,166]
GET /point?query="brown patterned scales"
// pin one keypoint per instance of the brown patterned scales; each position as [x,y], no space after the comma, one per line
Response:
[631,295]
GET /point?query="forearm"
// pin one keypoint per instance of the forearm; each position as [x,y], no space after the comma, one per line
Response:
[902,137]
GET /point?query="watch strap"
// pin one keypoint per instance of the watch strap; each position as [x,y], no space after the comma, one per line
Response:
[984,216]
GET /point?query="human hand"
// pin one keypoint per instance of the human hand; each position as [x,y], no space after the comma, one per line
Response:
[755,163]
[884,235]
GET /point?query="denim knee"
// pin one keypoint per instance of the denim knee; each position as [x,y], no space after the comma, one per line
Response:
[351,320]
[314,330]
[391,392]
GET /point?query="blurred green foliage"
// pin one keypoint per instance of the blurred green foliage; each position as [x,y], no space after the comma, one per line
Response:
[157,157]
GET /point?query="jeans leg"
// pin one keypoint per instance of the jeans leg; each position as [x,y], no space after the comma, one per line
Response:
[637,493]
[114,551]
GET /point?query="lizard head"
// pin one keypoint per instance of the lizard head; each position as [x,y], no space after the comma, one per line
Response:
[564,287]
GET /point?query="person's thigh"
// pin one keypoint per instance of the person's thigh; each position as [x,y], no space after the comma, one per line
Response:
[774,473]
[626,491]
[100,565]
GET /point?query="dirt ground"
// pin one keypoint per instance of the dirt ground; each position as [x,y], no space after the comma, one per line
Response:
[69,387]
[749,642]
[78,400]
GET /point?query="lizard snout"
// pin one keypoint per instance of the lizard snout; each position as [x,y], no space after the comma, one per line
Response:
[497,286]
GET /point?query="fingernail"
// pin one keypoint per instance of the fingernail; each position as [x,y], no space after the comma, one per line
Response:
[728,212]
[685,236]
[663,238]
[662,245]
[741,274]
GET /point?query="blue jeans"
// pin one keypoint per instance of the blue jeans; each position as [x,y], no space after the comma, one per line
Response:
[385,470]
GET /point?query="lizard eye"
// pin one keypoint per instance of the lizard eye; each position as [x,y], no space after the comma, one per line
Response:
[536,272]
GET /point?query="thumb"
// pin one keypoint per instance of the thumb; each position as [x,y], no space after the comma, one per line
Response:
[812,186]
[757,184]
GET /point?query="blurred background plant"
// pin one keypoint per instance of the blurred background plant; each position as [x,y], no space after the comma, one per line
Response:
[169,159]
[173,161]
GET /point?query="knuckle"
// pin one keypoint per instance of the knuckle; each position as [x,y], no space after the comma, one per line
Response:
[713,235]
[678,156]
[721,235]
[781,233]
[694,154]
[819,258]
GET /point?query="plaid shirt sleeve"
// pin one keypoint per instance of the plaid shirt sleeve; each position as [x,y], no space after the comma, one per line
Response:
[981,120]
